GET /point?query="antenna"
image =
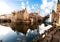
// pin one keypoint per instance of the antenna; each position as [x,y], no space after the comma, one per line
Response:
[38,9]
[25,7]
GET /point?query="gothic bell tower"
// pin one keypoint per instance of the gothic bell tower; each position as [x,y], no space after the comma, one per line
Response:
[58,7]
[58,12]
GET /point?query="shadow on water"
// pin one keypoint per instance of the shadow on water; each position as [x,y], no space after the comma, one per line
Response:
[15,35]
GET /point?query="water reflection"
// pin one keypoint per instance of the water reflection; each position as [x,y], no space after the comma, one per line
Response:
[9,35]
[22,27]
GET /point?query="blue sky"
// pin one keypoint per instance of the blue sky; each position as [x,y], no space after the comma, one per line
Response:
[32,5]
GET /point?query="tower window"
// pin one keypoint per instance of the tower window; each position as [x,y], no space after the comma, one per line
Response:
[58,1]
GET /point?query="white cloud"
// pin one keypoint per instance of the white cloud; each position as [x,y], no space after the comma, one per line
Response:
[4,30]
[4,8]
[43,28]
[25,5]
[33,7]
[27,2]
[44,1]
[22,5]
[30,8]
[46,6]
[20,0]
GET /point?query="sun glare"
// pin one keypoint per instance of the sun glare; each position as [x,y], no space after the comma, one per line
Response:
[4,8]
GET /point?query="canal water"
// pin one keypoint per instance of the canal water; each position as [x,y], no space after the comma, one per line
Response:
[9,35]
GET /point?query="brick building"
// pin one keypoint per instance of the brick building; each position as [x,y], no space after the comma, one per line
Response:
[56,14]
